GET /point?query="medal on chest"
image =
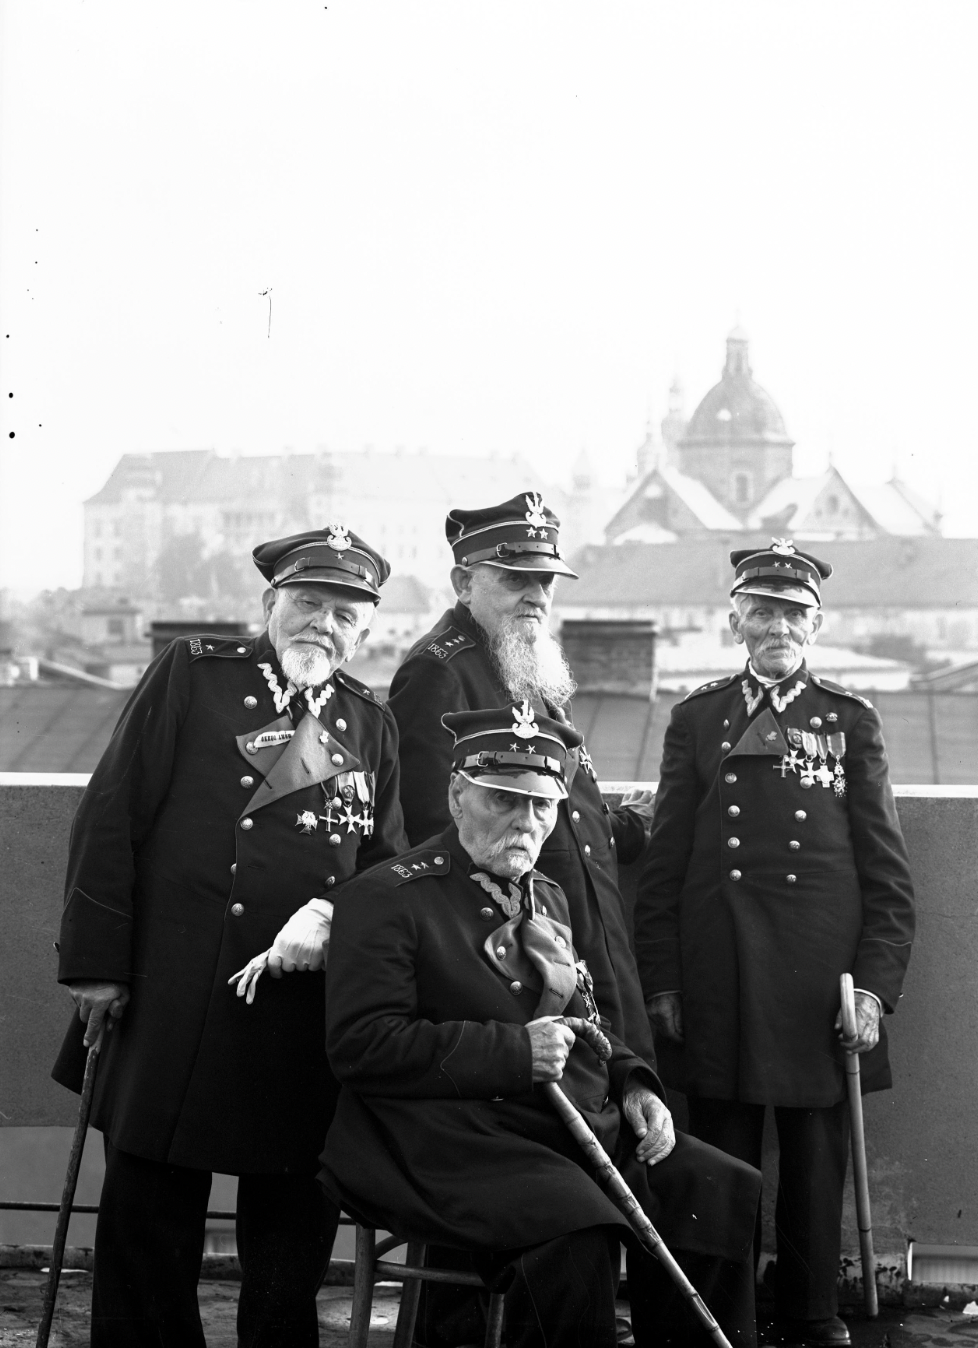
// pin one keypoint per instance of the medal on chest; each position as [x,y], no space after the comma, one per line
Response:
[808,757]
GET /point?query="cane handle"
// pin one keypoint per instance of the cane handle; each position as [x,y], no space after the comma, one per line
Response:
[848,1006]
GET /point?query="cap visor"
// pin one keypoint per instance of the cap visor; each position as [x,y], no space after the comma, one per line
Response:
[552,565]
[341,580]
[791,594]
[521,783]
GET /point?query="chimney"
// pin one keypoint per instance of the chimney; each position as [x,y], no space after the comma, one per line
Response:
[611,655]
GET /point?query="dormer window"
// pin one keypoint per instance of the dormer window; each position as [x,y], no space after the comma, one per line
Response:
[742,488]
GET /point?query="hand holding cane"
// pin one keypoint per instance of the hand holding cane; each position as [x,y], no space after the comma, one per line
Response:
[859,1172]
[617,1189]
[68,1194]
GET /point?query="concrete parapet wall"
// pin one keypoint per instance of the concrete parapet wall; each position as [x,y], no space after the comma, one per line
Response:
[920,1135]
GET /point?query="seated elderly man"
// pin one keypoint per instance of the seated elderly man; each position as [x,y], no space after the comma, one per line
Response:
[448,971]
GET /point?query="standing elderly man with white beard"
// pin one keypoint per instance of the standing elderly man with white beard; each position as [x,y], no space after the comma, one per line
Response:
[247,779]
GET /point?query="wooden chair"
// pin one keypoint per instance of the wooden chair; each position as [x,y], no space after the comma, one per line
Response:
[370,1265]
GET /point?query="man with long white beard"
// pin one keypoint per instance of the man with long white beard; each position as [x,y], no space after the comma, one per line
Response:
[247,779]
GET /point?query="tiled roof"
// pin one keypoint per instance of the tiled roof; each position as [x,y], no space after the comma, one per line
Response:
[927,572]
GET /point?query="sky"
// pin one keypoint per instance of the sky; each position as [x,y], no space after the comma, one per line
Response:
[476,227]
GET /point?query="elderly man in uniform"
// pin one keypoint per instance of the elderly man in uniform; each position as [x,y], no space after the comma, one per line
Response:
[449,971]
[247,779]
[492,648]
[776,864]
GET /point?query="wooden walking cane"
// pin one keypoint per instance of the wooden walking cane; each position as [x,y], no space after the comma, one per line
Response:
[618,1190]
[860,1177]
[68,1194]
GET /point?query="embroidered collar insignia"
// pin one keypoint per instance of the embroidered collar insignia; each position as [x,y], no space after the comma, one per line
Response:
[282,699]
[753,700]
[511,904]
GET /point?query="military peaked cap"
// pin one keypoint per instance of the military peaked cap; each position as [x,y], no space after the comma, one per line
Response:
[521,534]
[780,571]
[513,749]
[331,556]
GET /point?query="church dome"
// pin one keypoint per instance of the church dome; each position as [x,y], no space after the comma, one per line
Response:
[737,410]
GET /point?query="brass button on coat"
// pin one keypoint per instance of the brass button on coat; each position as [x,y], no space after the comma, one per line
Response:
[247,823]
[340,723]
[250,748]
[486,914]
[247,781]
[439,861]
[733,811]
[500,952]
[516,987]
[330,881]
[794,845]
[576,816]
[805,785]
[791,879]
[730,778]
[237,909]
[801,816]
[733,842]
[234,867]
[735,875]
[587,849]
[251,703]
[335,840]
[336,759]
[725,746]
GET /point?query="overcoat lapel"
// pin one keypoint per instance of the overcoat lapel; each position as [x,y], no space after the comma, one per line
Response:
[309,757]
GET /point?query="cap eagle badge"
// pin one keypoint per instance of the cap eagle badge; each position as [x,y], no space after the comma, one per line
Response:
[339,537]
[786,546]
[524,725]
[534,514]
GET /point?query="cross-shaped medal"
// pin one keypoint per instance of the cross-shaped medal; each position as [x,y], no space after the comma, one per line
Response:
[824,775]
[808,772]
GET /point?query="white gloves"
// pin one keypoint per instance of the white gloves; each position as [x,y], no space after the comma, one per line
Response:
[300,945]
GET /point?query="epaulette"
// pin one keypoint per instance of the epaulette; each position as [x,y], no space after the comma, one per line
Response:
[447,644]
[831,687]
[415,866]
[228,648]
[711,687]
[355,686]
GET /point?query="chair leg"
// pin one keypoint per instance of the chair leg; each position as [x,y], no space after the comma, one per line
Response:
[494,1321]
[363,1287]
[410,1296]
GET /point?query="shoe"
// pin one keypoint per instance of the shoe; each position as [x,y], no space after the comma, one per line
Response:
[830,1333]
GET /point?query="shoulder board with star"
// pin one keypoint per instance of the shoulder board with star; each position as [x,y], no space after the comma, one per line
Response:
[446,645]
[355,686]
[423,864]
[227,648]
[831,687]
[712,687]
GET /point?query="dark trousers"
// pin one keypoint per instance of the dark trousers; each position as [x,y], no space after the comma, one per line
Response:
[561,1294]
[813,1151]
[149,1246]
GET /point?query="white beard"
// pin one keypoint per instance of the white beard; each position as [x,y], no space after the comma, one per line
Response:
[306,666]
[531,664]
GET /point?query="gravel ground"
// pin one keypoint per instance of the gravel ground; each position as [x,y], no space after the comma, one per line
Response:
[21,1293]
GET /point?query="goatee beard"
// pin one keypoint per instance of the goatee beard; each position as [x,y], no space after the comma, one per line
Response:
[531,664]
[306,666]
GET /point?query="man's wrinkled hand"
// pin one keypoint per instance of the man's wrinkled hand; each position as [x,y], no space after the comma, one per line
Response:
[550,1043]
[640,801]
[666,1015]
[867,1024]
[651,1122]
[95,1001]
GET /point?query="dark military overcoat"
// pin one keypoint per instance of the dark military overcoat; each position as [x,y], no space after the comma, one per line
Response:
[450,669]
[439,1130]
[776,863]
[188,854]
